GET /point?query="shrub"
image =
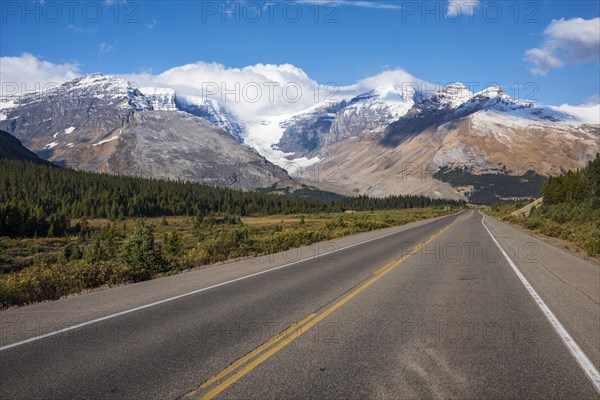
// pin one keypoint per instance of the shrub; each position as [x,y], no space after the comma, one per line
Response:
[72,251]
[173,244]
[96,252]
[141,253]
[533,222]
[51,281]
[2,250]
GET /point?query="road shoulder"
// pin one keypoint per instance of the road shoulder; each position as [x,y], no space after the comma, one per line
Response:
[568,283]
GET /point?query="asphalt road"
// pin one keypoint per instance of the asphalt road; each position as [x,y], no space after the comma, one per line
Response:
[430,310]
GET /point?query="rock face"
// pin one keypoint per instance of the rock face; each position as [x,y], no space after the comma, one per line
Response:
[525,211]
[11,148]
[370,113]
[214,113]
[309,131]
[103,123]
[177,145]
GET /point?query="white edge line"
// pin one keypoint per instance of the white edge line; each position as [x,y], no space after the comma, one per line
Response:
[583,361]
[131,310]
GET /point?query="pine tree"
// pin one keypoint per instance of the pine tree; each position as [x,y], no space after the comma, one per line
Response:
[173,244]
[141,252]
[96,252]
[72,251]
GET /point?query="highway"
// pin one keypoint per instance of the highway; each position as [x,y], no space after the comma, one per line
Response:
[461,307]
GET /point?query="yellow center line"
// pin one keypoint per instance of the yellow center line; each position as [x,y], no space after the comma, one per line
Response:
[250,355]
[380,270]
[306,324]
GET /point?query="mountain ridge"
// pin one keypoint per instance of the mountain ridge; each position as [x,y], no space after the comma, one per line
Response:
[487,132]
[104,123]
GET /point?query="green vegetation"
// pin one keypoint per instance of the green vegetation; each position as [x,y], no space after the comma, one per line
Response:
[492,188]
[65,231]
[41,200]
[37,269]
[570,209]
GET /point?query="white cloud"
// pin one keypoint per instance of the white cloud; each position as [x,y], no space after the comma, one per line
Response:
[543,60]
[593,100]
[263,89]
[105,48]
[29,73]
[251,91]
[460,7]
[397,78]
[566,41]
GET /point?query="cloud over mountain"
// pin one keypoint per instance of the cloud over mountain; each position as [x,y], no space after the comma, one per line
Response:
[566,41]
[28,73]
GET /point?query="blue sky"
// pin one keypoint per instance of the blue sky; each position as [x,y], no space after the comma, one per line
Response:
[341,42]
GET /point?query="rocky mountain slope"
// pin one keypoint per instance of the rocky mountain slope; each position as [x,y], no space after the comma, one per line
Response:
[104,123]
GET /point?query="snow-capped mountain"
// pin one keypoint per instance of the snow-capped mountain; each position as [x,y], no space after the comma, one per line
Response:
[104,123]
[372,112]
[368,113]
[486,146]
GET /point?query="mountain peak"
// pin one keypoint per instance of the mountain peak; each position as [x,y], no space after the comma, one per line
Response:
[386,94]
[492,91]
[455,86]
[106,87]
[453,95]
[95,79]
[495,95]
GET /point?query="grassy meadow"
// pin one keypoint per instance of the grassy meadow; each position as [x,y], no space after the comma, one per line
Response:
[116,252]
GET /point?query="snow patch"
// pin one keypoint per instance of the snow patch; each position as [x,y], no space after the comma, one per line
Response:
[580,114]
[5,104]
[50,145]
[69,130]
[162,99]
[110,139]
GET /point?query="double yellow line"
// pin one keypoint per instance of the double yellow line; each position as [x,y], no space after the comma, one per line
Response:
[234,372]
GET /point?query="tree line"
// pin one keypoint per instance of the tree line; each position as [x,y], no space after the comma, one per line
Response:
[574,186]
[42,199]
